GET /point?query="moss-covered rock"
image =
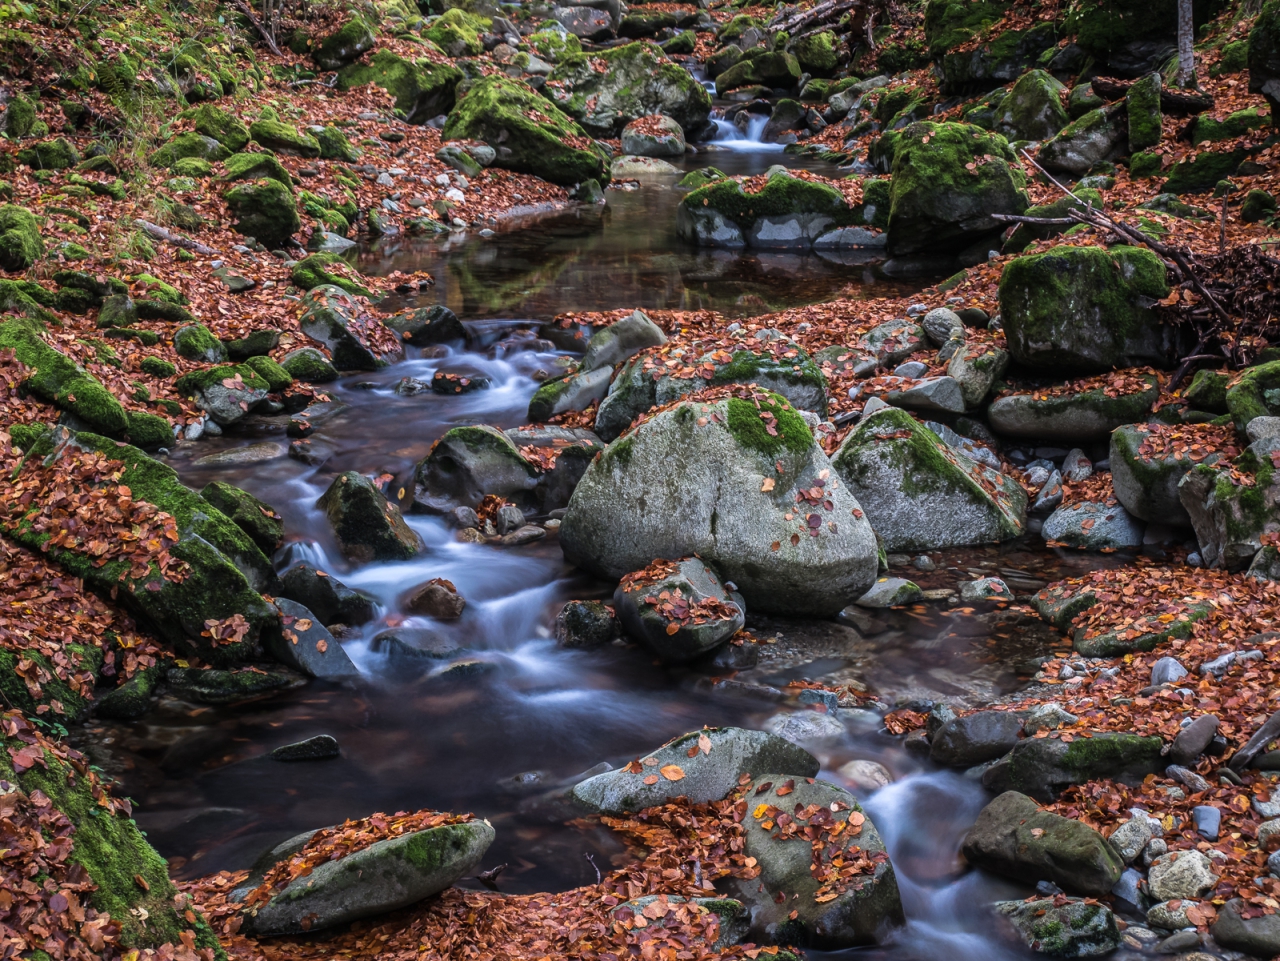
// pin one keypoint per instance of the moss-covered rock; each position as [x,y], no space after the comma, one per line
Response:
[422,90]
[818,53]
[283,138]
[265,210]
[780,70]
[1107,28]
[1077,417]
[786,212]
[20,242]
[530,134]
[1255,394]
[1024,234]
[638,80]
[1033,109]
[365,524]
[1085,309]
[147,431]
[258,520]
[1062,927]
[1231,508]
[312,271]
[217,124]
[919,493]
[1264,56]
[328,315]
[196,342]
[334,144]
[189,145]
[343,45]
[50,155]
[19,117]
[70,703]
[1096,137]
[256,166]
[1147,485]
[1142,104]
[1202,171]
[999,56]
[58,379]
[309,365]
[257,343]
[1258,205]
[554,45]
[948,178]
[457,33]
[1044,767]
[277,377]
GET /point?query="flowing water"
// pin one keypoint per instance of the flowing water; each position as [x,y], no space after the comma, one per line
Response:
[209,797]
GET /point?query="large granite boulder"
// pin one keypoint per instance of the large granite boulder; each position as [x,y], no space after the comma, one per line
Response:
[787,212]
[1232,508]
[921,494]
[1147,465]
[1062,927]
[1033,109]
[740,482]
[1095,138]
[1085,309]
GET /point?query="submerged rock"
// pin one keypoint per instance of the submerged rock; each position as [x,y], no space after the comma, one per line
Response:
[1014,838]
[385,876]
[721,757]
[742,484]
[921,494]
[331,600]
[974,738]
[789,900]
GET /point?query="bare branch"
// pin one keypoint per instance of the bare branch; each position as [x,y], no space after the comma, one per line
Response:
[169,237]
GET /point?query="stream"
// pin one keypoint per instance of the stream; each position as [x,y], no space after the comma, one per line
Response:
[530,714]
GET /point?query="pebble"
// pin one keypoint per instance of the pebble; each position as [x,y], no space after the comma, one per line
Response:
[924,563]
[1166,671]
[1273,864]
[487,233]
[1179,942]
[1208,821]
[912,369]
[1129,887]
[384,180]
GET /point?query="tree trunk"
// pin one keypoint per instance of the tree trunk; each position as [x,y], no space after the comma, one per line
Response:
[1186,46]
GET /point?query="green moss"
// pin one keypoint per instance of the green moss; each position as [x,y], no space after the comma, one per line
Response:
[196,342]
[767,70]
[16,694]
[345,44]
[1025,234]
[255,166]
[221,126]
[554,45]
[1207,129]
[148,431]
[1090,755]
[1105,26]
[1208,391]
[49,155]
[1258,205]
[59,380]
[1143,109]
[1202,172]
[334,145]
[19,116]
[736,27]
[281,137]
[457,33]
[950,23]
[620,451]
[818,53]
[311,272]
[192,167]
[310,366]
[264,210]
[277,377]
[20,241]
[791,433]
[131,699]
[1247,399]
[262,524]
[781,195]
[422,90]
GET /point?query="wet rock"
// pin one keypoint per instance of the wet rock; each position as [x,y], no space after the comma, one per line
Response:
[436,598]
[787,213]
[385,876]
[1181,875]
[806,727]
[316,748]
[576,391]
[1169,916]
[301,642]
[365,524]
[262,524]
[1259,937]
[621,340]
[129,701]
[573,448]
[1081,416]
[678,609]
[586,624]
[425,326]
[1033,109]
[653,136]
[705,478]
[1094,526]
[1208,820]
[1044,767]
[231,686]
[468,463]
[866,775]
[985,589]
[939,324]
[890,592]
[331,601]
[974,738]
[783,899]
[1071,930]
[709,775]
[1014,838]
[1230,509]
[309,365]
[328,314]
[920,494]
[941,206]
[459,380]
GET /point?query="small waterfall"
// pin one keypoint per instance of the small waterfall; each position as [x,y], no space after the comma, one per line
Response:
[729,136]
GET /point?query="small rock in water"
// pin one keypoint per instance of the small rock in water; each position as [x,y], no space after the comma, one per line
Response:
[465,517]
[866,775]
[1179,943]
[829,699]
[436,598]
[585,624]
[508,519]
[312,749]
[805,727]
[985,589]
[924,563]
[523,535]
[890,592]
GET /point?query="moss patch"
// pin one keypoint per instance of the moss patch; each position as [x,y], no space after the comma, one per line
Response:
[749,428]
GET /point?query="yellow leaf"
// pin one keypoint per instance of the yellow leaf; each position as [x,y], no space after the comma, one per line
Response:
[672,772]
[758,813]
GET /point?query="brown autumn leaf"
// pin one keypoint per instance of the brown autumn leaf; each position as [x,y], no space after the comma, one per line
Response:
[672,772]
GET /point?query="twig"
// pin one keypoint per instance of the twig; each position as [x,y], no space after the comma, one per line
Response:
[1021,219]
[169,237]
[1032,160]
[1222,227]
[257,25]
[588,856]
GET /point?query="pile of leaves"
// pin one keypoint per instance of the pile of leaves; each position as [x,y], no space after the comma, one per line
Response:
[1195,442]
[341,840]
[1119,383]
[1243,280]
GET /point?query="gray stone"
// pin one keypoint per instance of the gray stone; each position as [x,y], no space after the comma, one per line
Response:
[686,596]
[1093,526]
[469,463]
[327,242]
[1208,820]
[1193,739]
[939,324]
[805,727]
[1259,937]
[621,340]
[1181,874]
[1129,887]
[577,391]
[973,738]
[241,456]
[891,592]
[1086,416]
[985,589]
[425,326]
[1166,671]
[327,315]
[1169,917]
[976,369]
[707,776]
[1043,767]
[1014,838]
[385,876]
[1257,429]
[668,142]
[585,624]
[703,478]
[331,601]
[782,898]
[1148,486]
[1076,467]
[1096,137]
[1130,838]
[934,393]
[302,643]
[1071,930]
[1047,717]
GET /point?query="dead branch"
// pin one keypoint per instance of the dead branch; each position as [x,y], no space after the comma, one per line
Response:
[823,12]
[263,32]
[1021,219]
[169,237]
[1178,102]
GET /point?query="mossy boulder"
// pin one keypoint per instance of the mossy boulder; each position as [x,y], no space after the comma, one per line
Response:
[1085,309]
[334,144]
[554,45]
[71,705]
[256,166]
[921,494]
[217,124]
[818,53]
[457,33]
[1202,171]
[313,271]
[1236,124]
[1043,767]
[1061,927]
[1232,508]
[258,520]
[328,317]
[223,569]
[277,377]
[264,210]
[283,138]
[196,342]
[777,70]
[528,132]
[1024,234]
[722,479]
[127,879]
[50,155]
[422,90]
[56,378]
[999,56]
[1088,415]
[366,526]
[948,178]
[1147,485]
[638,80]
[226,393]
[19,117]
[1125,32]
[786,370]
[349,42]
[309,365]
[1142,105]
[787,212]
[20,242]
[1033,108]
[189,145]
[1264,56]
[469,463]
[1096,137]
